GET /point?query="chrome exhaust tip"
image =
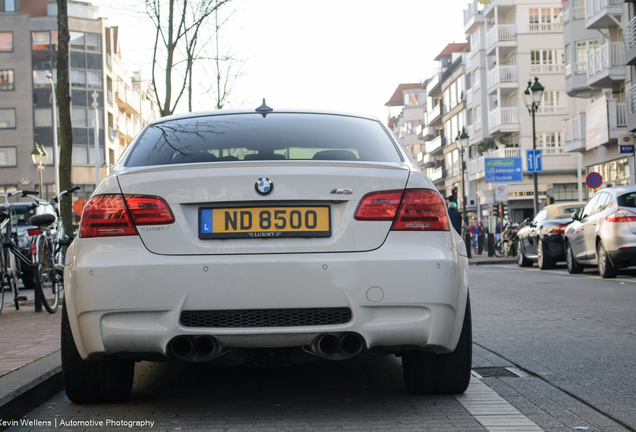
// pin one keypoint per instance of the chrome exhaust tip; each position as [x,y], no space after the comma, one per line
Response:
[204,346]
[181,347]
[351,344]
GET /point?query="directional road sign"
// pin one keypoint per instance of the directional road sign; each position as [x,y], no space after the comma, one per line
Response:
[534,161]
[594,180]
[503,170]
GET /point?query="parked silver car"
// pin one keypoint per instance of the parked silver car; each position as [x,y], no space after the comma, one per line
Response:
[604,233]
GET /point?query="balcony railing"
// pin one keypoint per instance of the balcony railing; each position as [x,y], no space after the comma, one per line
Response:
[435,112]
[109,62]
[500,116]
[546,27]
[578,12]
[631,100]
[629,34]
[434,144]
[552,110]
[121,125]
[606,56]
[592,7]
[552,150]
[437,174]
[547,68]
[110,97]
[506,32]
[502,74]
[512,152]
[470,11]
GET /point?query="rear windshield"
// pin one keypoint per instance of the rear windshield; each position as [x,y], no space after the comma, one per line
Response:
[627,200]
[278,136]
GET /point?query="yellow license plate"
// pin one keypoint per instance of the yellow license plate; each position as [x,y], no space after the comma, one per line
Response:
[265,222]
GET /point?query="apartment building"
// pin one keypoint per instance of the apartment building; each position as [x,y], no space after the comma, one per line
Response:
[596,78]
[511,42]
[407,124]
[28,53]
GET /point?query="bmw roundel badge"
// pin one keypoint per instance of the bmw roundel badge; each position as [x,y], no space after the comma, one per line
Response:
[264,186]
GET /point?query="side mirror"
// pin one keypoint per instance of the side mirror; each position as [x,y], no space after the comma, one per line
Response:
[576,215]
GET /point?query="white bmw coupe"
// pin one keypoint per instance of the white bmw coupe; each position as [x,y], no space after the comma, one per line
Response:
[264,238]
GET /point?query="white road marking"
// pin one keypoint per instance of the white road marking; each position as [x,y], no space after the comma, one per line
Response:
[492,411]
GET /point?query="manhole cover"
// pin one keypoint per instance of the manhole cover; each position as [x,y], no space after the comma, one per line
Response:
[498,372]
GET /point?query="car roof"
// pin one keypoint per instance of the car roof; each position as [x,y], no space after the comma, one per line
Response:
[556,210]
[617,190]
[253,111]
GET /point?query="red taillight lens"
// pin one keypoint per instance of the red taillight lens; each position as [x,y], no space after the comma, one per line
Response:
[106,216]
[149,210]
[34,231]
[560,229]
[622,215]
[422,210]
[379,206]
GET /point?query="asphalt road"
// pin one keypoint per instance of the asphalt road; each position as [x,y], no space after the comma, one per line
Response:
[571,338]
[575,332]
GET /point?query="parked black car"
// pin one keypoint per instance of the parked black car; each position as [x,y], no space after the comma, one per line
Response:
[20,213]
[541,240]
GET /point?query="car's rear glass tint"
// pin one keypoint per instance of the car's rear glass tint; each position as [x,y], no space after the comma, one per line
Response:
[627,200]
[278,136]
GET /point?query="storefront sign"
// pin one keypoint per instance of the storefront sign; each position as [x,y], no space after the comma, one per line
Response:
[626,143]
[597,130]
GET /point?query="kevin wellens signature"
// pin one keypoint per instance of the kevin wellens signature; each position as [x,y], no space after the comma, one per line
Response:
[76,423]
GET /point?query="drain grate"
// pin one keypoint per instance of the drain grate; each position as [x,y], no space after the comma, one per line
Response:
[498,372]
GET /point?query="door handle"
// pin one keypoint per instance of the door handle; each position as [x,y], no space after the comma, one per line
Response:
[594,223]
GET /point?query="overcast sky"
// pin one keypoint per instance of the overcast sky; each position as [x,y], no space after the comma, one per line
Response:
[346,55]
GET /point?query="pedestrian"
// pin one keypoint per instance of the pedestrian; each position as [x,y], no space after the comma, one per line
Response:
[498,230]
[474,233]
[455,217]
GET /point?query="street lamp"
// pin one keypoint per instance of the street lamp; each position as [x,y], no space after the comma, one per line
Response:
[462,145]
[532,97]
[38,157]
[56,153]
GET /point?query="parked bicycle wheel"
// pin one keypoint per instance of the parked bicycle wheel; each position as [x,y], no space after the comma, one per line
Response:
[2,284]
[499,249]
[46,281]
[13,277]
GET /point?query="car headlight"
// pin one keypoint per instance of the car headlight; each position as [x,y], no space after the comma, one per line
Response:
[23,239]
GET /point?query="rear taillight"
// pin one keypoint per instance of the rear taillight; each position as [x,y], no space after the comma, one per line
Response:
[621,215]
[411,210]
[34,231]
[422,210]
[379,206]
[560,229]
[149,210]
[108,215]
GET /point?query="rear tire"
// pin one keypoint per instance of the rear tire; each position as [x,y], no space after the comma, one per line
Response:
[46,280]
[429,373]
[544,261]
[522,260]
[93,381]
[573,266]
[605,267]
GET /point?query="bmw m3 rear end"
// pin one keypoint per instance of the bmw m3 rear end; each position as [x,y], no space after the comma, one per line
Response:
[265,238]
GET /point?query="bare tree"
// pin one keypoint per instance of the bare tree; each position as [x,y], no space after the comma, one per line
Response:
[178,24]
[64,107]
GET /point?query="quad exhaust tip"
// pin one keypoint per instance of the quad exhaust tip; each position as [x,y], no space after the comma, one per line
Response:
[195,348]
[338,346]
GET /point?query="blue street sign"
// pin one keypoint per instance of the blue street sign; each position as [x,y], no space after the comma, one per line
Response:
[627,149]
[503,170]
[533,161]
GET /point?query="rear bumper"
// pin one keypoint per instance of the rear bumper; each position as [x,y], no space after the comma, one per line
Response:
[123,299]
[624,258]
[554,247]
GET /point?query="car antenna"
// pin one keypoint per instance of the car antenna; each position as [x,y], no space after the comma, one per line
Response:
[264,109]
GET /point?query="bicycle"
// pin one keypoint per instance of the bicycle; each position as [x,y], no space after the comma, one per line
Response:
[9,266]
[47,251]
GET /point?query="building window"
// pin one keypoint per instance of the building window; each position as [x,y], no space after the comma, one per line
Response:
[478,117]
[553,99]
[7,118]
[546,19]
[6,80]
[549,140]
[8,157]
[7,6]
[6,42]
[614,173]
[42,117]
[582,49]
[565,192]
[469,117]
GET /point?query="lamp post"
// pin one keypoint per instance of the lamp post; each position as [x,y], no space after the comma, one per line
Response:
[462,144]
[56,153]
[38,157]
[532,97]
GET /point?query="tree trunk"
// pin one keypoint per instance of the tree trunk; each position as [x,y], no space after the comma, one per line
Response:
[64,108]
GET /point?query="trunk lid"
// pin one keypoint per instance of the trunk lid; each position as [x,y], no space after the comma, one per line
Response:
[297,184]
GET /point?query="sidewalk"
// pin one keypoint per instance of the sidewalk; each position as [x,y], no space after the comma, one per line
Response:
[28,372]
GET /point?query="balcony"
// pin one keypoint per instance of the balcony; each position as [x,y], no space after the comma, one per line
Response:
[472,15]
[502,76]
[121,125]
[551,110]
[503,35]
[109,62]
[631,108]
[545,27]
[601,14]
[437,174]
[436,113]
[512,152]
[435,145]
[127,99]
[606,65]
[547,68]
[110,97]
[503,120]
[629,36]
[425,133]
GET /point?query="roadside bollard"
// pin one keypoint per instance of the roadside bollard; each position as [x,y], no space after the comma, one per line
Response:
[491,244]
[469,244]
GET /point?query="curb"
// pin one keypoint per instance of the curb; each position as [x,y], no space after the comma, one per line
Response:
[28,387]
